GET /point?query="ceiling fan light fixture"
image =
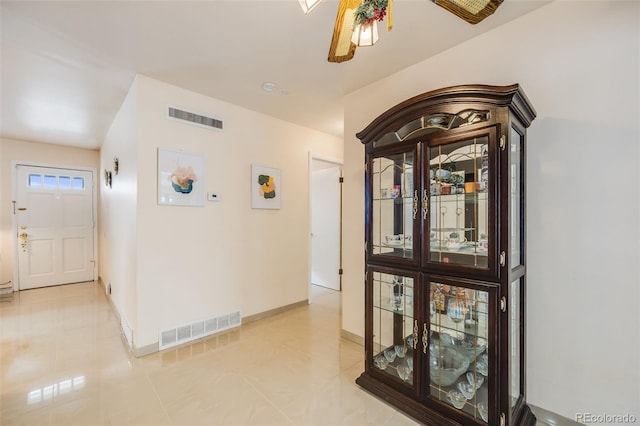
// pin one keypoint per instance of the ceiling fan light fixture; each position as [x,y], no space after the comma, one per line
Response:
[308,5]
[365,35]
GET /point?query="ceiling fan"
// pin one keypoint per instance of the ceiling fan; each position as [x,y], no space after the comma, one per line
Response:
[356,21]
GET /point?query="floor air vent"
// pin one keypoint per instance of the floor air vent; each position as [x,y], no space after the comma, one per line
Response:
[186,333]
[192,118]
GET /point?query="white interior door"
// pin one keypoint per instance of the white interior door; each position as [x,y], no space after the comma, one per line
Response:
[55,226]
[325,227]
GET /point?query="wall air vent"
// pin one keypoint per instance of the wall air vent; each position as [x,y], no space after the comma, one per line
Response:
[192,118]
[198,329]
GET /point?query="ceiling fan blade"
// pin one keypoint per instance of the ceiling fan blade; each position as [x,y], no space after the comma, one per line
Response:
[342,48]
[472,11]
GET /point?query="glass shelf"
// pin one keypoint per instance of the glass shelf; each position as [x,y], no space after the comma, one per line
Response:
[406,199]
[406,246]
[390,305]
[466,249]
[461,331]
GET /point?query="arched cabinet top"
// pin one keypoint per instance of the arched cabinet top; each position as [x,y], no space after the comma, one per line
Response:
[421,112]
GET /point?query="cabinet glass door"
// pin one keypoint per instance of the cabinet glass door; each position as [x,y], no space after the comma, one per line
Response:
[458,349]
[392,323]
[394,206]
[516,342]
[459,183]
[516,199]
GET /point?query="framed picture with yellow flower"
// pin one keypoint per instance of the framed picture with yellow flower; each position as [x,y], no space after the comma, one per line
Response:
[266,188]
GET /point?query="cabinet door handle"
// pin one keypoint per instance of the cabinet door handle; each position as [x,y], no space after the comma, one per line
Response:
[415,204]
[425,338]
[415,334]
[425,204]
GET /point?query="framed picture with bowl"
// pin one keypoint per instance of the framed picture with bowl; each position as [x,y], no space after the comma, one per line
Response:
[180,178]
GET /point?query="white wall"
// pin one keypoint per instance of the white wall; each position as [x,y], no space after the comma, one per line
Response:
[198,262]
[29,153]
[118,206]
[579,65]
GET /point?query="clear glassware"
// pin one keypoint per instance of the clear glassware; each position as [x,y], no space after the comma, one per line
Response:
[401,350]
[475,380]
[467,389]
[484,411]
[390,354]
[403,372]
[381,362]
[456,398]
[456,310]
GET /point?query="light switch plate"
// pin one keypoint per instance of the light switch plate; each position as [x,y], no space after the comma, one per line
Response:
[213,196]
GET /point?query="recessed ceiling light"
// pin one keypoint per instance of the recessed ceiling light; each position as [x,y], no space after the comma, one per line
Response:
[269,87]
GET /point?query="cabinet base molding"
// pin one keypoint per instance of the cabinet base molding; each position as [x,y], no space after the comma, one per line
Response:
[423,414]
[403,403]
[525,417]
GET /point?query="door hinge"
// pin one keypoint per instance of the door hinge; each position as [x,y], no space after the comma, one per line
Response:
[341,179]
[503,142]
[503,258]
[503,419]
[503,304]
[340,271]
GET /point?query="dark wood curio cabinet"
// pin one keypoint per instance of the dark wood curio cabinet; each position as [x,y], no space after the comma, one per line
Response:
[445,256]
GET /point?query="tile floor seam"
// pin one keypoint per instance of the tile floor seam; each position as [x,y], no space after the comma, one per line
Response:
[271,403]
[155,391]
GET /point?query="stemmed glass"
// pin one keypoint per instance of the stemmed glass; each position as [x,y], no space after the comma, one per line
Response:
[456,310]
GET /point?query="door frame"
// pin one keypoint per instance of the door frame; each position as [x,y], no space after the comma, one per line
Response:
[14,221]
[336,162]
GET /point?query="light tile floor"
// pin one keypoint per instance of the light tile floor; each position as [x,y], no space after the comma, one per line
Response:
[63,362]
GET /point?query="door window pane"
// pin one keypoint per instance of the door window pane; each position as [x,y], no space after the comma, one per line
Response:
[64,182]
[35,180]
[78,183]
[50,181]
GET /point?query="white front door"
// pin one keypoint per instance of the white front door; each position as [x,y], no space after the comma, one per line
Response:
[325,227]
[55,226]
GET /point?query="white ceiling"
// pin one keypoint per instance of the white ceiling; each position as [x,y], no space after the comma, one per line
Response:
[67,65]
